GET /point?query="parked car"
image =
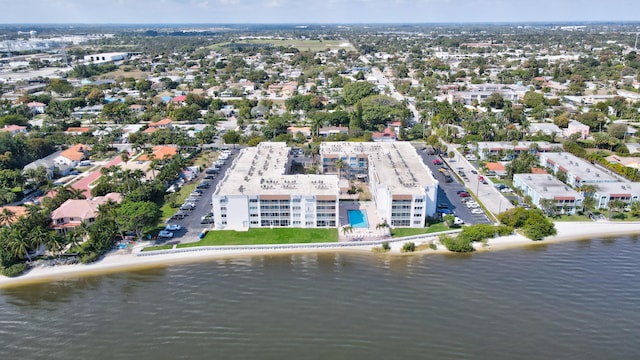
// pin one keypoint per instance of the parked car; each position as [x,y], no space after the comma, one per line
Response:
[209,177]
[500,186]
[178,215]
[458,221]
[464,194]
[188,207]
[172,227]
[436,162]
[477,211]
[482,179]
[203,185]
[165,234]
[506,190]
[474,172]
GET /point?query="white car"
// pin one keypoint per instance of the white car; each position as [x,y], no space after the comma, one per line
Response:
[477,211]
[458,221]
[473,205]
[165,234]
[506,190]
[173,227]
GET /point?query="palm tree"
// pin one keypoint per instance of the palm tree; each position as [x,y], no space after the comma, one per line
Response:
[7,216]
[347,230]
[340,165]
[382,226]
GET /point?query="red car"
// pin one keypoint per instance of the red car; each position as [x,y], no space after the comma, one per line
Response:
[464,194]
[437,162]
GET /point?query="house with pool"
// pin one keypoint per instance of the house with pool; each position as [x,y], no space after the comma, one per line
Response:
[258,190]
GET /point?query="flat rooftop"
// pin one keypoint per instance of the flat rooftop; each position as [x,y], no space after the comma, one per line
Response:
[548,186]
[520,145]
[580,168]
[395,164]
[262,170]
[618,189]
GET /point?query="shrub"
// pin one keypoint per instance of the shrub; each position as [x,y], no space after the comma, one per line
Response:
[457,244]
[409,247]
[386,246]
[89,257]
[433,246]
[14,270]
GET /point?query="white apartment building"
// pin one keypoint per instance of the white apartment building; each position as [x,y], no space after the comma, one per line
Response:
[577,170]
[257,192]
[546,187]
[402,186]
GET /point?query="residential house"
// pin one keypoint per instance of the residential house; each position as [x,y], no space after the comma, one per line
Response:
[385,136]
[159,152]
[333,130]
[545,129]
[73,155]
[14,129]
[74,212]
[633,162]
[162,124]
[37,107]
[576,127]
[304,130]
[77,130]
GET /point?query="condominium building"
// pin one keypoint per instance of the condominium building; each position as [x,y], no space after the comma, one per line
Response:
[541,187]
[257,192]
[402,186]
[577,170]
[627,192]
[512,149]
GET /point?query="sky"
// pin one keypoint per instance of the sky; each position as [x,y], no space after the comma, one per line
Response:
[314,11]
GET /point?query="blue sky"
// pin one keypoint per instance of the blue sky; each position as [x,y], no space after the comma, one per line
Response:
[314,11]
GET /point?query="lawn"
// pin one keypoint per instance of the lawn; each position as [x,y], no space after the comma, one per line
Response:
[434,228]
[184,192]
[266,236]
[572,218]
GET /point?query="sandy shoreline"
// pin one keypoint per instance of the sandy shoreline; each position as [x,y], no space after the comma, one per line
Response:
[567,231]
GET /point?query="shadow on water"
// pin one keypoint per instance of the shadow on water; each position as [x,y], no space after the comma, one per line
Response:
[66,290]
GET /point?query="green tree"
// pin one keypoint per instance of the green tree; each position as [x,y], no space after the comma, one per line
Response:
[135,216]
[231,137]
[355,91]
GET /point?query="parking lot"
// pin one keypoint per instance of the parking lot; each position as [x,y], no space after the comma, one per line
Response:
[192,223]
[448,191]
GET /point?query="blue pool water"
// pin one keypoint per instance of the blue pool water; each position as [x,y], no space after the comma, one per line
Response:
[357,219]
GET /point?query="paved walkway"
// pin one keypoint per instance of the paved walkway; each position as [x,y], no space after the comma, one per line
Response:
[361,234]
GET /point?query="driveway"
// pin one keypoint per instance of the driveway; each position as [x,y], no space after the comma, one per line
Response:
[191,226]
[447,192]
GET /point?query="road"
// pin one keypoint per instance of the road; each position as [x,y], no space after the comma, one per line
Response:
[490,197]
[381,78]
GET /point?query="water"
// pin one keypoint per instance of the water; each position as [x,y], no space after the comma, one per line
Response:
[357,218]
[565,301]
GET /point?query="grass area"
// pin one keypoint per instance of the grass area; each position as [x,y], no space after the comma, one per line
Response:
[300,44]
[434,228]
[206,158]
[572,218]
[184,192]
[266,236]
[159,247]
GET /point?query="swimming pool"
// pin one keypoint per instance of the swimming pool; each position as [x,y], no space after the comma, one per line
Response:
[357,218]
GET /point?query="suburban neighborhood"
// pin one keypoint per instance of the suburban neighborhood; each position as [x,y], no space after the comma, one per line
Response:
[108,141]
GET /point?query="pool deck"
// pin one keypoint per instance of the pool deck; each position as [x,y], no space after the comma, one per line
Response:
[361,234]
